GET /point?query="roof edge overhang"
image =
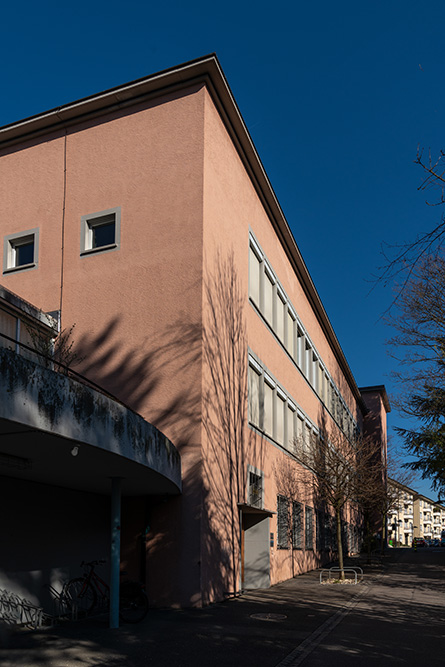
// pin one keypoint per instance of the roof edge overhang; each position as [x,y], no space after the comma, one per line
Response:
[205,70]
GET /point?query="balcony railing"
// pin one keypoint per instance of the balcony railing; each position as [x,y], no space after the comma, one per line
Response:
[53,364]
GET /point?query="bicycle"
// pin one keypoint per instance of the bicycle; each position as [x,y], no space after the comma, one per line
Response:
[85,593]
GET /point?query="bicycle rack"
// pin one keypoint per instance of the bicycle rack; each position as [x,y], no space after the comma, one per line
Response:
[63,606]
[356,570]
[15,610]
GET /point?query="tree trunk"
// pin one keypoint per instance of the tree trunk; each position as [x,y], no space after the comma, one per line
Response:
[382,546]
[340,545]
[368,545]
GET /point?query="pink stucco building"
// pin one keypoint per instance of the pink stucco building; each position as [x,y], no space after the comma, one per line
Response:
[143,216]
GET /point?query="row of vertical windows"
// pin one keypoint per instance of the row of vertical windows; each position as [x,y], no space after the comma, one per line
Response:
[270,299]
[295,524]
[274,413]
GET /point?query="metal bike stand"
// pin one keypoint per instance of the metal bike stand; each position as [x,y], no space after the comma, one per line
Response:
[356,570]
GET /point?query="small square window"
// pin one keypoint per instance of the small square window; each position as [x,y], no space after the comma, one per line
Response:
[100,231]
[255,490]
[255,487]
[20,251]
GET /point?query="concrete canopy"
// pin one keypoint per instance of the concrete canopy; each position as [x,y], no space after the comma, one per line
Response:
[45,416]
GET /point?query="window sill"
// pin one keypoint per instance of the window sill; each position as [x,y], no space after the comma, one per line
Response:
[103,248]
[23,267]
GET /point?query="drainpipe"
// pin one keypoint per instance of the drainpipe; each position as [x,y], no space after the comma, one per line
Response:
[115,550]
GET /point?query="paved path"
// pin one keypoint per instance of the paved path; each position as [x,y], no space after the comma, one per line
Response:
[393,618]
[399,621]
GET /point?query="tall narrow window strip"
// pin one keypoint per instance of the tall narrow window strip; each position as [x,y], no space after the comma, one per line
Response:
[308,362]
[309,528]
[300,435]
[290,429]
[268,409]
[280,317]
[314,374]
[297,525]
[282,522]
[326,390]
[281,406]
[320,380]
[268,299]
[305,439]
[290,339]
[332,406]
[254,396]
[300,350]
[254,277]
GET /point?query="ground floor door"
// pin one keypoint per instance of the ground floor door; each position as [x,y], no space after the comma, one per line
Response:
[255,553]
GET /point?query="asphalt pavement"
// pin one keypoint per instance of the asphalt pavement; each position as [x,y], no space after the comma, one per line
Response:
[395,616]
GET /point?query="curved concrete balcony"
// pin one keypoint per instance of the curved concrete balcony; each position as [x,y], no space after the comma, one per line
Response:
[56,430]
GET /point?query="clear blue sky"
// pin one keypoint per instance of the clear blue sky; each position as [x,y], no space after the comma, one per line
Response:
[336,96]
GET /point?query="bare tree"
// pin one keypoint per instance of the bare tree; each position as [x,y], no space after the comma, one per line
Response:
[59,350]
[343,473]
[294,485]
[399,478]
[225,411]
[434,175]
[419,347]
[402,260]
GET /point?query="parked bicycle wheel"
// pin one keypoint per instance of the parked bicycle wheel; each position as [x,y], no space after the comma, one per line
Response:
[80,595]
[133,602]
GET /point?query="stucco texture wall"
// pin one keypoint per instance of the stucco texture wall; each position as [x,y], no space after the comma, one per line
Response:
[137,309]
[232,206]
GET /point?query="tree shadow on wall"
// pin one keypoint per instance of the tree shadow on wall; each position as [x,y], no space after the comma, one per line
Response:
[138,378]
[229,444]
[205,416]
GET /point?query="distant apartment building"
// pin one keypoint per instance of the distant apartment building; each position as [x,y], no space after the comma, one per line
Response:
[143,216]
[400,517]
[413,515]
[429,516]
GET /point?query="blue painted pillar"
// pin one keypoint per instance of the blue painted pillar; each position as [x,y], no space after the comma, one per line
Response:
[115,550]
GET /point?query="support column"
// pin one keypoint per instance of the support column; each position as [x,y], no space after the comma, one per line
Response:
[115,550]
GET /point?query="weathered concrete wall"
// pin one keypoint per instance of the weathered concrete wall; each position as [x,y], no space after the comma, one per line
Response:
[40,398]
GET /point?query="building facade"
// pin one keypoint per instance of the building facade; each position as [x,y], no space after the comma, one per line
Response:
[413,515]
[143,217]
